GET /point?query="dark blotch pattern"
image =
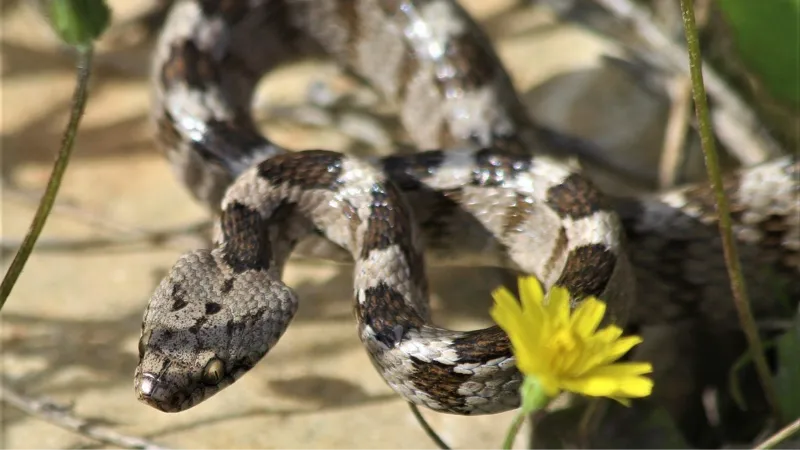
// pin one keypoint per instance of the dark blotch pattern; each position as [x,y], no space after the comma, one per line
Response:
[508,143]
[576,198]
[387,314]
[440,382]
[283,212]
[213,308]
[559,248]
[465,52]
[348,12]
[311,169]
[230,11]
[236,327]
[387,225]
[588,270]
[226,286]
[229,139]
[494,167]
[197,325]
[407,170]
[482,345]
[178,295]
[189,64]
[245,247]
[438,226]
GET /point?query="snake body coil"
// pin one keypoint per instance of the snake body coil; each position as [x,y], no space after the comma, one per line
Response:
[495,195]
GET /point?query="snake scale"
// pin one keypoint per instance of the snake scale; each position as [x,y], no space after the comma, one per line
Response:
[493,194]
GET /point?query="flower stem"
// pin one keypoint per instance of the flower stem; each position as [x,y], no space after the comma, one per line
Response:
[728,244]
[427,427]
[59,167]
[513,430]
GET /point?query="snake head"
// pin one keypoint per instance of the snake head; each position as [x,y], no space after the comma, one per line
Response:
[205,326]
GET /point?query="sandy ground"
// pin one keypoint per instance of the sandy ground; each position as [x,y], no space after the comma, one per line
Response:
[71,326]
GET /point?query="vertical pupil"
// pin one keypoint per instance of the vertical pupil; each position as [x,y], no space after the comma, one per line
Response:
[213,373]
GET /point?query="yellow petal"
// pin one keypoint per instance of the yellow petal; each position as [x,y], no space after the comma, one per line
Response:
[506,304]
[503,295]
[525,345]
[530,291]
[557,307]
[617,349]
[607,335]
[635,386]
[592,386]
[508,313]
[621,370]
[523,330]
[587,316]
[508,316]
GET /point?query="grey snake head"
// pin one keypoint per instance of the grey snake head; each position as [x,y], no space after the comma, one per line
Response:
[229,323]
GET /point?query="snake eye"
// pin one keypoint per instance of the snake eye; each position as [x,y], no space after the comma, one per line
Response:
[143,342]
[213,372]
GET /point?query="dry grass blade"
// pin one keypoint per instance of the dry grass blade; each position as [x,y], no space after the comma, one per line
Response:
[61,416]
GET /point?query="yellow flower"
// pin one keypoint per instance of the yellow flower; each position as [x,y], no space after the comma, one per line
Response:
[564,351]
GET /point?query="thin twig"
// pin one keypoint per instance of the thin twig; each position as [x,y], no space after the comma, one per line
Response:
[60,416]
[100,221]
[66,208]
[783,434]
[427,427]
[737,125]
[43,211]
[132,236]
[680,90]
[728,243]
[153,237]
[588,422]
[672,152]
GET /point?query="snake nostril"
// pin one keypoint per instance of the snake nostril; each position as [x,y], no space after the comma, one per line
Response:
[148,385]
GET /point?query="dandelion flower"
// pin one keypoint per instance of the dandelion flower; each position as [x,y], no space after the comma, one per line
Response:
[560,350]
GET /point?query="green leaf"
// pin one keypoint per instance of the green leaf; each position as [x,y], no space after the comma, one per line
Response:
[79,22]
[787,378]
[766,33]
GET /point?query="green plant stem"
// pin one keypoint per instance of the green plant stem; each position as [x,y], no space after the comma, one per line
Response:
[728,244]
[513,430]
[783,434]
[427,427]
[46,203]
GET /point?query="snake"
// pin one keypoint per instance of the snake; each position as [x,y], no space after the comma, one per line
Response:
[486,188]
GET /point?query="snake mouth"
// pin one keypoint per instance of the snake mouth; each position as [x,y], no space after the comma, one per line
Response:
[152,392]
